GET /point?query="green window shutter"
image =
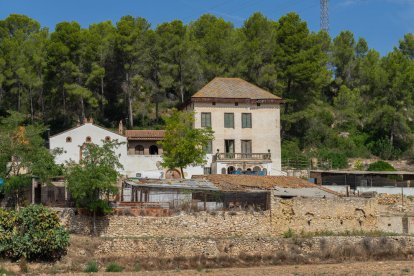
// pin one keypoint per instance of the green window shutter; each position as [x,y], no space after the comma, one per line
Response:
[246,120]
[229,120]
[205,119]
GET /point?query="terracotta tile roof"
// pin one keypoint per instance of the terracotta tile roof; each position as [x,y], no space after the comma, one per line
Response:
[233,88]
[228,182]
[145,134]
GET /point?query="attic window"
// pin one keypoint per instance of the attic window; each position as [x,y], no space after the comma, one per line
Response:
[68,139]
[258,104]
[107,138]
[214,103]
[236,104]
[88,139]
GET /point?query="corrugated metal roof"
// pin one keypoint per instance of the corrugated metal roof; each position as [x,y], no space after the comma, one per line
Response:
[301,192]
[365,172]
[174,184]
[239,183]
[234,88]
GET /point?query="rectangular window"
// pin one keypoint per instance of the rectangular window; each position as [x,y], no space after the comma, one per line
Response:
[209,148]
[229,146]
[205,119]
[229,120]
[246,146]
[246,120]
[207,170]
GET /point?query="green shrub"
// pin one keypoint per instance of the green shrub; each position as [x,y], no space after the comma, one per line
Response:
[91,267]
[384,149]
[33,233]
[137,267]
[380,166]
[114,267]
[338,159]
[4,271]
[289,234]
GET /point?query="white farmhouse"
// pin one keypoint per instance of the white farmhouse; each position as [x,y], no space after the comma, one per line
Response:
[71,142]
[246,124]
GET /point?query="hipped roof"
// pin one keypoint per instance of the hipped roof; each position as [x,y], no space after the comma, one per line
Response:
[233,88]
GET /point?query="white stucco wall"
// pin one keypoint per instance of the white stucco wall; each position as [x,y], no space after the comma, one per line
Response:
[265,131]
[71,150]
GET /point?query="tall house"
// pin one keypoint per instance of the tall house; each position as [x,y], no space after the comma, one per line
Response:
[246,124]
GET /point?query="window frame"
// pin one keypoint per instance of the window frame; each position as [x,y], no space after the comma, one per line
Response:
[209,148]
[228,115]
[246,119]
[205,122]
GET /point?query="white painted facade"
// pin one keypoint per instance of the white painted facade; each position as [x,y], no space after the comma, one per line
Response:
[264,133]
[71,141]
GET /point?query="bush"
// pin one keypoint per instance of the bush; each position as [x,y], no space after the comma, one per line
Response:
[289,234]
[384,149]
[33,233]
[91,267]
[380,166]
[114,267]
[338,159]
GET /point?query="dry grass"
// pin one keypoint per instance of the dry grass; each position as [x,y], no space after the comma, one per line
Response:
[329,250]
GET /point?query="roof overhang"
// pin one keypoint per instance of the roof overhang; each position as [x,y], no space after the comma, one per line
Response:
[238,100]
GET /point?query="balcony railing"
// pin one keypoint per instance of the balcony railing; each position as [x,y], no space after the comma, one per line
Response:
[243,156]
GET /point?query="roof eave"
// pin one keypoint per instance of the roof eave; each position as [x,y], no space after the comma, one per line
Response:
[239,100]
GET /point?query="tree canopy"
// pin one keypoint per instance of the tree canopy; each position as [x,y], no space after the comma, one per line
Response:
[183,144]
[340,94]
[94,178]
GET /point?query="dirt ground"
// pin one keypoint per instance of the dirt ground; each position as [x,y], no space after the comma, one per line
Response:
[349,269]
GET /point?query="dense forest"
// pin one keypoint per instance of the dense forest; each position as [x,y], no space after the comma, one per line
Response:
[342,97]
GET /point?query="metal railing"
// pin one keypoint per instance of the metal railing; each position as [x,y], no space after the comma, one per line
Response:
[243,156]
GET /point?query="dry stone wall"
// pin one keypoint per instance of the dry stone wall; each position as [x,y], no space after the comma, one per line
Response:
[300,214]
[330,214]
[315,249]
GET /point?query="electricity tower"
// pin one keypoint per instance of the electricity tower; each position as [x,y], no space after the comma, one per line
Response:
[325,15]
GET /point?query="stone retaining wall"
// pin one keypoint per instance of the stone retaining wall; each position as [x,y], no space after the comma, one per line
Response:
[313,248]
[301,214]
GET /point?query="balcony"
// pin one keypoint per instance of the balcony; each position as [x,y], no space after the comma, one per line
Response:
[243,156]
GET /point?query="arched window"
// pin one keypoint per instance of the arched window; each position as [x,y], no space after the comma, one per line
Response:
[265,171]
[230,170]
[68,139]
[107,138]
[88,139]
[256,169]
[139,149]
[153,150]
[223,171]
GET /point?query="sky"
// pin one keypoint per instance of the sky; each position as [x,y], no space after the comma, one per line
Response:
[381,22]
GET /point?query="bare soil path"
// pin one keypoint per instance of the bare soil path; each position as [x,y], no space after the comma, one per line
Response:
[388,268]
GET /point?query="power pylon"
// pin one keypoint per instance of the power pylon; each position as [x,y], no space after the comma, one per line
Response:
[325,15]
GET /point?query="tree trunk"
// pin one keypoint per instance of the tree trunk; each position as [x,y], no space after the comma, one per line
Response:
[130,115]
[82,108]
[42,102]
[102,94]
[95,233]
[182,173]
[181,84]
[18,99]
[31,104]
[64,100]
